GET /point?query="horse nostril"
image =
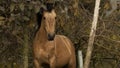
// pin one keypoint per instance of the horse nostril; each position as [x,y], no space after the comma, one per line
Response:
[51,37]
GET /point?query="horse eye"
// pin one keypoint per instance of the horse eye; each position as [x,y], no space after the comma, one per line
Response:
[55,17]
[44,18]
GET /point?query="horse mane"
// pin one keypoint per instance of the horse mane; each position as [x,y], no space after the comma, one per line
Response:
[39,19]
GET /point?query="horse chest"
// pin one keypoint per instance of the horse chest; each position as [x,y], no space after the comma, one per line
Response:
[43,55]
[46,52]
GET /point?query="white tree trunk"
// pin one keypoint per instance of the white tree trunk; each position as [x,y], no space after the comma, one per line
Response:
[80,59]
[92,35]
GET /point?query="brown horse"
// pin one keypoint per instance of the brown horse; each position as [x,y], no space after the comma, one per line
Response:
[55,50]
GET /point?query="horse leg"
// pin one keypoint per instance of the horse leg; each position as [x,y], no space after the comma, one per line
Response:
[36,63]
[72,65]
[52,62]
[72,62]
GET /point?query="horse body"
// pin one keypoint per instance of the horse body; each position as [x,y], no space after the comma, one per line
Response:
[55,50]
[61,48]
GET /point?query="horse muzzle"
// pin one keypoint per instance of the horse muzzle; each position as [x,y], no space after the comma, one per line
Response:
[51,36]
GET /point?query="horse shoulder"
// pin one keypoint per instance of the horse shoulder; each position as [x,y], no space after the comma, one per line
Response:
[68,43]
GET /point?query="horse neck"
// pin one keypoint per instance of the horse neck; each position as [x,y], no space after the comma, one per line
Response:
[42,34]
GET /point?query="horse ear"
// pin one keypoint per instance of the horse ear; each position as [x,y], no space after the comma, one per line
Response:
[42,9]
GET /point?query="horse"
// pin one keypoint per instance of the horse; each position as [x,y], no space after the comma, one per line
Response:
[57,51]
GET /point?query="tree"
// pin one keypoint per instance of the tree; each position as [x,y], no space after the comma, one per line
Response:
[25,50]
[92,35]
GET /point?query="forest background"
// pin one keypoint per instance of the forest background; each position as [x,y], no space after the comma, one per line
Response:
[74,18]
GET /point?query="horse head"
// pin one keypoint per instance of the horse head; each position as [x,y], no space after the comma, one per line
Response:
[49,20]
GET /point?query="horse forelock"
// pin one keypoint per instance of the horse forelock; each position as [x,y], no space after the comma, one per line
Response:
[50,7]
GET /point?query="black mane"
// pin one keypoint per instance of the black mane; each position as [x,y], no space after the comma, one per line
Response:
[39,19]
[49,6]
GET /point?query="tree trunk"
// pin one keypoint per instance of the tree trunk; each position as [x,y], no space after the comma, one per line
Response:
[80,59]
[25,52]
[92,35]
[75,6]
